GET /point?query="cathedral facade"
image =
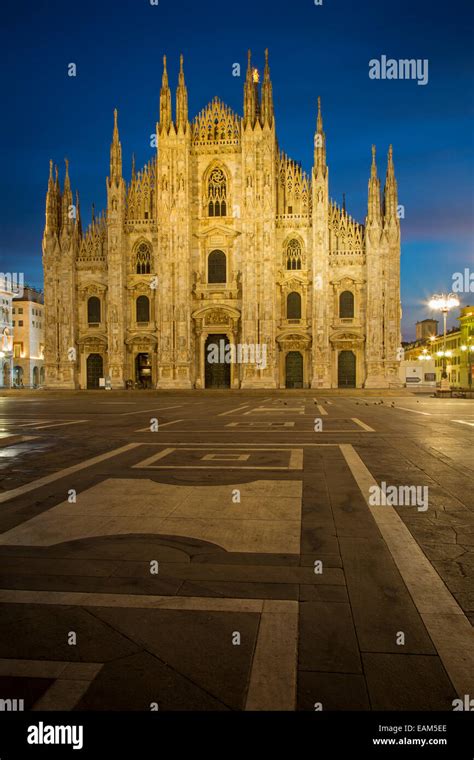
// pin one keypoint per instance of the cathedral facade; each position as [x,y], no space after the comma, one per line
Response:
[222,240]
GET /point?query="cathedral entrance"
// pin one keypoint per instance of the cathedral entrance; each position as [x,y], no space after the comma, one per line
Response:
[95,370]
[143,374]
[217,374]
[294,370]
[346,370]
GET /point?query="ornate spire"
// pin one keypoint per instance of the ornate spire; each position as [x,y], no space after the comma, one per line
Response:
[78,226]
[50,180]
[320,145]
[390,191]
[181,98]
[67,198]
[115,152]
[373,205]
[165,100]
[319,120]
[134,173]
[267,95]
[51,224]
[67,181]
[251,104]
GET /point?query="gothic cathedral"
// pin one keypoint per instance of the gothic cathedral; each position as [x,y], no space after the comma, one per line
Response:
[222,239]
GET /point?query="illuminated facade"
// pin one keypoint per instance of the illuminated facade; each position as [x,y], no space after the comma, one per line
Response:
[221,236]
[28,339]
[459,347]
[6,333]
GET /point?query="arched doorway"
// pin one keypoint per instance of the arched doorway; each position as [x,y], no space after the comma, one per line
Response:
[217,373]
[35,376]
[294,370]
[17,376]
[95,370]
[346,369]
[143,370]
[42,376]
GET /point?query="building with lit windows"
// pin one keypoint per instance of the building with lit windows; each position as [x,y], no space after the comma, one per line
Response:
[28,339]
[6,333]
[459,348]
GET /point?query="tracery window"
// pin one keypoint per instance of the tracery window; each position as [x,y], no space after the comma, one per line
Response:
[93,310]
[346,305]
[143,309]
[293,255]
[293,306]
[217,193]
[143,259]
[216,267]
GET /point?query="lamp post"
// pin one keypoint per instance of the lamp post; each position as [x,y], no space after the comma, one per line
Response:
[444,303]
[469,348]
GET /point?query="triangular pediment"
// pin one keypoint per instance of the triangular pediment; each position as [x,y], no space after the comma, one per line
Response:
[217,229]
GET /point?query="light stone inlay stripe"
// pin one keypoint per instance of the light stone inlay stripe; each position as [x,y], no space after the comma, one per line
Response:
[295,460]
[233,411]
[363,425]
[34,484]
[450,630]
[272,683]
[415,411]
[145,411]
[12,440]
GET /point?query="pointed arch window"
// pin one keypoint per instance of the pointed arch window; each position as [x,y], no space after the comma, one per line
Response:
[346,305]
[217,267]
[143,259]
[143,309]
[93,310]
[217,193]
[293,255]
[293,306]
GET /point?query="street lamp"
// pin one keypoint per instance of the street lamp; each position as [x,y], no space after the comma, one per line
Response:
[424,356]
[469,348]
[444,303]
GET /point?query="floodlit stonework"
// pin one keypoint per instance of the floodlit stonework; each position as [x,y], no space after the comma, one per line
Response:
[222,236]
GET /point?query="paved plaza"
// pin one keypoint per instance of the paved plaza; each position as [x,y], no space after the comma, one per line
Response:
[223,550]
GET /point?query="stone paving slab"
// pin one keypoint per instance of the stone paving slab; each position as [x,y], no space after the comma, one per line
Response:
[336,628]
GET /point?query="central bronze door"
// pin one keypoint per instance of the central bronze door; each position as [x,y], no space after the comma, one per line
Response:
[294,370]
[95,370]
[217,373]
[346,370]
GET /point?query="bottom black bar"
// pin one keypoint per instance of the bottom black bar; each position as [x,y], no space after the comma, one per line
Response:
[137,735]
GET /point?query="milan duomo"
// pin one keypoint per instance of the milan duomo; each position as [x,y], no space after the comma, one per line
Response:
[222,239]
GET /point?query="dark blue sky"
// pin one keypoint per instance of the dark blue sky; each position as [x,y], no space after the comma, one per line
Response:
[118,46]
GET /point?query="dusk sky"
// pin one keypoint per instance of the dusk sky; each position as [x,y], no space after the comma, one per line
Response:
[314,50]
